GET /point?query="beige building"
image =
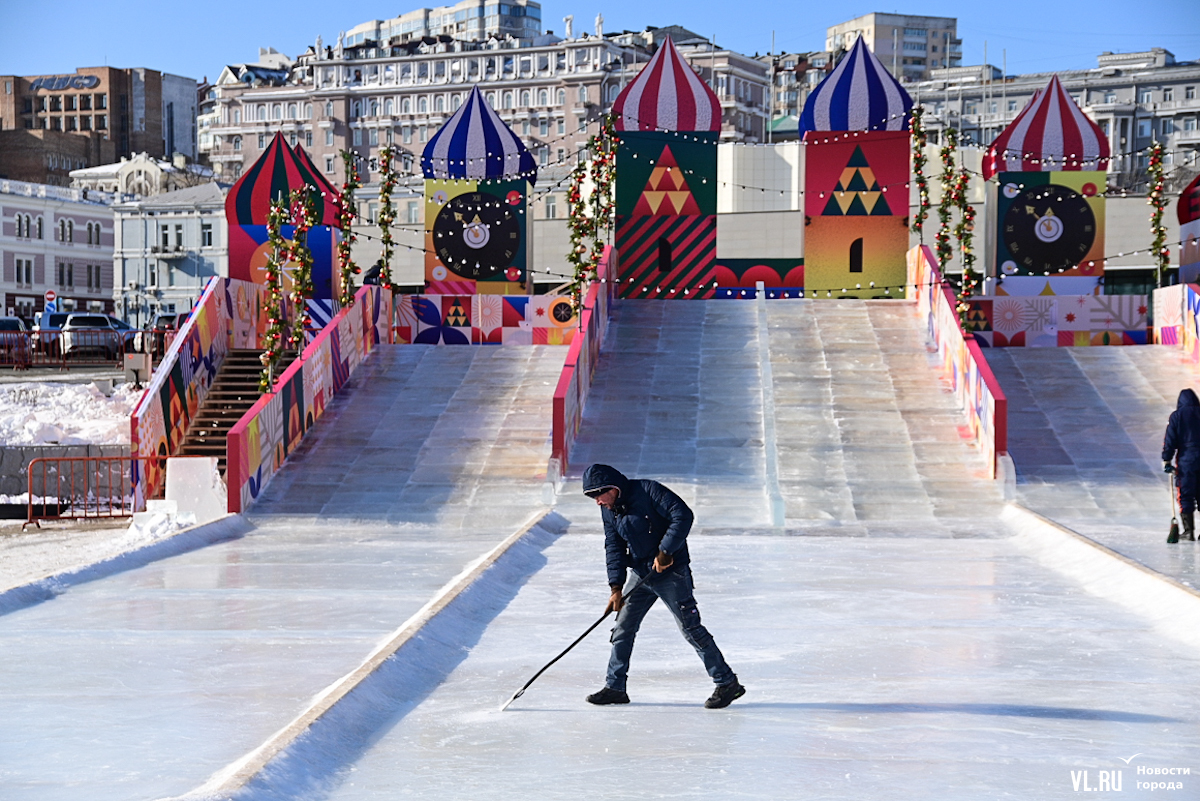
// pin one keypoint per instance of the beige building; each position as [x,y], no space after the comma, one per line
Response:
[908,45]
[1135,98]
[141,175]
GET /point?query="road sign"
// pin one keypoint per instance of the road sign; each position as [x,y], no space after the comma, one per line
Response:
[51,295]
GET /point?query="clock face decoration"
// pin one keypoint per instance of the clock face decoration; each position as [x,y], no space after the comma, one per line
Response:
[476,235]
[1046,229]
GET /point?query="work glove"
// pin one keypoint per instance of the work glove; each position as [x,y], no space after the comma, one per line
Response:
[615,601]
[1168,467]
[663,561]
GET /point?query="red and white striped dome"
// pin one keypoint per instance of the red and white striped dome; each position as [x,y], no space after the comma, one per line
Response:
[1051,133]
[667,95]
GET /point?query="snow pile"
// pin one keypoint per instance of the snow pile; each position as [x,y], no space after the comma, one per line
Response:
[65,414]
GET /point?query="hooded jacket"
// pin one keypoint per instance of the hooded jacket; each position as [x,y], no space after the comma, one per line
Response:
[648,518]
[1183,433]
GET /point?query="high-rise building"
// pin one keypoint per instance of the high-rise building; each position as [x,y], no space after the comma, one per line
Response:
[908,45]
[473,20]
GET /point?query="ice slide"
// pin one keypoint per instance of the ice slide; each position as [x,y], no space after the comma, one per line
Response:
[847,560]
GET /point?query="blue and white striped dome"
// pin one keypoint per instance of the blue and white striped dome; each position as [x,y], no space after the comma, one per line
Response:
[475,144]
[859,95]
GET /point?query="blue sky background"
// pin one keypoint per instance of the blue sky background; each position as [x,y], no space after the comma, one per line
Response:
[196,40]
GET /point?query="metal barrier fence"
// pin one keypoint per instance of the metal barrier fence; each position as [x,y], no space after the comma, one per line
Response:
[64,349]
[84,487]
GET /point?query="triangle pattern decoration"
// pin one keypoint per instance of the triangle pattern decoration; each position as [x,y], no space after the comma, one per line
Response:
[857,193]
[667,192]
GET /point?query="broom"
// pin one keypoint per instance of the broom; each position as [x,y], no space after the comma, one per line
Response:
[1173,534]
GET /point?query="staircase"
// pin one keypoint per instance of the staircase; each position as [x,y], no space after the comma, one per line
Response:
[233,392]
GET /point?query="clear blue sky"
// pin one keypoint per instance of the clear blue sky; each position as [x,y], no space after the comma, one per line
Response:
[196,40]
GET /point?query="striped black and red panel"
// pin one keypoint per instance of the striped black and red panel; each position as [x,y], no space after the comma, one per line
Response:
[692,245]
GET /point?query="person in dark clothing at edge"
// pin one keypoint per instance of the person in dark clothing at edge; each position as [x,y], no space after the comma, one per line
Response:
[1182,444]
[645,529]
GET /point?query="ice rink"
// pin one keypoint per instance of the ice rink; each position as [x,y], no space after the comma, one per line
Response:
[848,558]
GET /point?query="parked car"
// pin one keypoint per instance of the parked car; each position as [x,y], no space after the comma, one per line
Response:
[14,341]
[161,331]
[46,329]
[95,333]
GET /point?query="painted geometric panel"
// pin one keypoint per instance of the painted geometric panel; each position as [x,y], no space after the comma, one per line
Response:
[1059,321]
[1049,224]
[855,257]
[746,273]
[667,257]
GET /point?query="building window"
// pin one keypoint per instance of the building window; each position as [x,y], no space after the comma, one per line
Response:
[414,212]
[1110,97]
[561,97]
[1189,93]
[206,235]
[422,133]
[165,236]
[102,101]
[237,143]
[543,97]
[562,156]
[388,107]
[262,112]
[262,141]
[543,127]
[406,106]
[308,138]
[524,127]
[406,135]
[544,156]
[39,226]
[373,136]
[237,116]
[422,105]
[1168,95]
[291,111]
[329,109]
[328,164]
[1143,127]
[151,275]
[329,138]
[277,111]
[1145,96]
[292,139]
[372,211]
[357,138]
[374,108]
[525,103]
[89,233]
[562,126]
[1189,123]
[455,102]
[508,100]
[308,111]
[551,207]
[178,236]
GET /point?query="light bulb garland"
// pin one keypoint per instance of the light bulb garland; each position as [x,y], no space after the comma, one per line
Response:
[347,212]
[919,159]
[1157,199]
[275,313]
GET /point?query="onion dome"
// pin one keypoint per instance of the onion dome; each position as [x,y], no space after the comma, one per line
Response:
[476,145]
[1188,209]
[859,95]
[667,95]
[1051,133]
[277,172]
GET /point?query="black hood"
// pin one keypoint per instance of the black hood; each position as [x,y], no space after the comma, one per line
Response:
[599,476]
[1187,399]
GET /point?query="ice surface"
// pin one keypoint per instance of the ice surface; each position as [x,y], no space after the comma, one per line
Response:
[894,644]
[1085,432]
[916,669]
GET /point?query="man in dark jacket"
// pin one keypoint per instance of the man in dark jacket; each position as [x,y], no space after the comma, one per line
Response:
[645,529]
[1182,444]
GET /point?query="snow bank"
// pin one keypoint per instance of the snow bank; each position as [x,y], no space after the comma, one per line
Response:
[40,413]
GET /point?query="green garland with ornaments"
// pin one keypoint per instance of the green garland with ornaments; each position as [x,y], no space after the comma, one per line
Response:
[347,211]
[964,232]
[590,218]
[302,205]
[276,253]
[919,140]
[1157,199]
[387,213]
[949,179]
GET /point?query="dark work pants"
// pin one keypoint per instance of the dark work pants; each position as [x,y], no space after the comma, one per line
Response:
[674,587]
[1187,485]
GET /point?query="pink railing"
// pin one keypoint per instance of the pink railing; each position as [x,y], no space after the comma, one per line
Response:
[575,381]
[963,362]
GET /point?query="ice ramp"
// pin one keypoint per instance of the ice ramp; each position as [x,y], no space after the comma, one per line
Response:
[1085,433]
[833,407]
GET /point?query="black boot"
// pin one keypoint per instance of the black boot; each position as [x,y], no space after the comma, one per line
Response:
[724,695]
[608,696]
[1189,526]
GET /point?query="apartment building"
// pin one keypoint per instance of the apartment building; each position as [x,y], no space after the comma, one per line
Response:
[553,93]
[164,250]
[1136,98]
[54,238]
[908,45]
[52,124]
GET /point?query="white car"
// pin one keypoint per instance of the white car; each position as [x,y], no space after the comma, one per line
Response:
[95,334]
